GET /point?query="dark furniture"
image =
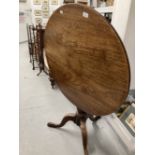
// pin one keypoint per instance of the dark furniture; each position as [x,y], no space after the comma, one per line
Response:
[32,45]
[36,50]
[40,43]
[88,62]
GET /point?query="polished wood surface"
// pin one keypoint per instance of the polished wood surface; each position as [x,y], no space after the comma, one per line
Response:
[87,58]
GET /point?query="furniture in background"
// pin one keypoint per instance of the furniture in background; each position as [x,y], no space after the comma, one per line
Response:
[36,50]
[32,45]
[40,45]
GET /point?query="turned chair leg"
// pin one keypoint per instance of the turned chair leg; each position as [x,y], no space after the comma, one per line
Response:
[67,118]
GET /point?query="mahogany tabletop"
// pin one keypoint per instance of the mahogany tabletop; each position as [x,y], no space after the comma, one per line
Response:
[87,59]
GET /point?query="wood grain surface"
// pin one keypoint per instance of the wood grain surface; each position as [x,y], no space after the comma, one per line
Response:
[87,59]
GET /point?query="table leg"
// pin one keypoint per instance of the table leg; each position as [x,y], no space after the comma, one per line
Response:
[67,118]
[84,136]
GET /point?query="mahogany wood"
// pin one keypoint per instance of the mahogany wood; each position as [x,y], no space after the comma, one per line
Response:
[87,58]
[79,119]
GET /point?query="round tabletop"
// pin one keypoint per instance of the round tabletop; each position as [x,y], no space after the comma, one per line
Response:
[87,59]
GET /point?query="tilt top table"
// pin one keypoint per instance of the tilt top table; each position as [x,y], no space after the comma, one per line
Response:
[88,62]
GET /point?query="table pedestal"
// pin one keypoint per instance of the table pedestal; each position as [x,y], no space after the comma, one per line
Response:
[79,119]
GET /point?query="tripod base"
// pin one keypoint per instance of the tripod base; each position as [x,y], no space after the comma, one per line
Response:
[79,119]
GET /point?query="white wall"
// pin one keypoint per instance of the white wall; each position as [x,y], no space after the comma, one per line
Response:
[129,41]
[51,9]
[26,8]
[120,16]
[23,5]
[123,21]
